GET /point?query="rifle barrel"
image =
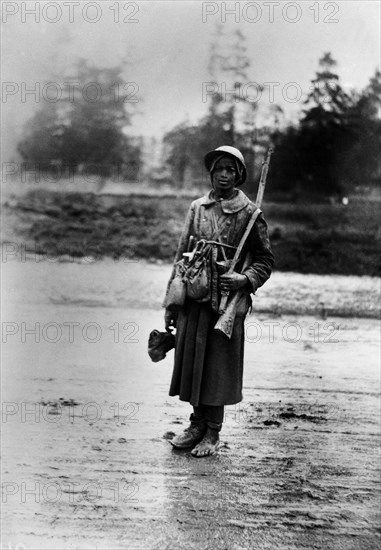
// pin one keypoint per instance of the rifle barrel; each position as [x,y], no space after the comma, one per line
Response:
[262,181]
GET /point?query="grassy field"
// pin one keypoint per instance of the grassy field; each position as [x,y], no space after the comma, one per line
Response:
[316,238]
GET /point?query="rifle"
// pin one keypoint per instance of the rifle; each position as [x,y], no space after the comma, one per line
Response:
[228,305]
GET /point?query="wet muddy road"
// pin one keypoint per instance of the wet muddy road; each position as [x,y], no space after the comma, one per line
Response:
[86,418]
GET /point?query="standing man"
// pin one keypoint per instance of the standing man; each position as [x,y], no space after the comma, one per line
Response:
[208,368]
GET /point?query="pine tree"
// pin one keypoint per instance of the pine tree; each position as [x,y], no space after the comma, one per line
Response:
[336,145]
[324,135]
[327,101]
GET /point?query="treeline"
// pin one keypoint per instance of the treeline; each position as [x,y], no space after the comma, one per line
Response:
[332,150]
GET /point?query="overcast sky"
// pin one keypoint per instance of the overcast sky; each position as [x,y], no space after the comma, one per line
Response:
[168,47]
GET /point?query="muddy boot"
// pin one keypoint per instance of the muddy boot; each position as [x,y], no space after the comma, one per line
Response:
[191,435]
[208,445]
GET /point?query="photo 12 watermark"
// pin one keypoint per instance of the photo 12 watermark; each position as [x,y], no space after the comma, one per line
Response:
[64,251]
[269,92]
[11,545]
[69,492]
[276,412]
[68,410]
[292,332]
[270,12]
[69,332]
[69,92]
[56,172]
[69,12]
[220,493]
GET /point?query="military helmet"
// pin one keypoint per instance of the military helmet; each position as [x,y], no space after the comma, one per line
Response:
[228,151]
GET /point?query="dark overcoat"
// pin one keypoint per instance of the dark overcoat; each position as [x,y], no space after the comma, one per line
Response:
[208,367]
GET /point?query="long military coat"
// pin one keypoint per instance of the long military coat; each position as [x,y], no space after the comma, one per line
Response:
[208,367]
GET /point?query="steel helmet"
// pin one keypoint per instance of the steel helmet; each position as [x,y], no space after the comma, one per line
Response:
[230,152]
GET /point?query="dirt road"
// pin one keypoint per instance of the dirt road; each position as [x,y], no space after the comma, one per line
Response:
[86,417]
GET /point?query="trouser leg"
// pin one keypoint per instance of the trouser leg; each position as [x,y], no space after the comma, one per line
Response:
[193,434]
[213,415]
[198,414]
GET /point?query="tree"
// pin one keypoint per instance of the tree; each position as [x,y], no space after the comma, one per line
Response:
[309,157]
[324,133]
[230,116]
[362,164]
[85,126]
[335,147]
[327,100]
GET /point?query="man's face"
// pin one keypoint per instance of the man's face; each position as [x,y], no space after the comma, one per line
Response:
[224,175]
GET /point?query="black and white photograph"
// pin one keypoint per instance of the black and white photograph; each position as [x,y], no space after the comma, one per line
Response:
[190,275]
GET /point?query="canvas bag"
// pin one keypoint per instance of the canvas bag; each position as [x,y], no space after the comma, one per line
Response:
[177,290]
[198,273]
[197,276]
[193,279]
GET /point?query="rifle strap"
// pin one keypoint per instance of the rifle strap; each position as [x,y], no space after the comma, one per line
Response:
[243,239]
[218,230]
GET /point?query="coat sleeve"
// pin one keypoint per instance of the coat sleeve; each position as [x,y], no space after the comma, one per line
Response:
[182,244]
[261,258]
[185,234]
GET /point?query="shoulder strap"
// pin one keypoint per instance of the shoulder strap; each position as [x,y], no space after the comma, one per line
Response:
[217,232]
[217,229]
[249,227]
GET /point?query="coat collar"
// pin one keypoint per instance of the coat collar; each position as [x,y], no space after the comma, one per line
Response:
[229,206]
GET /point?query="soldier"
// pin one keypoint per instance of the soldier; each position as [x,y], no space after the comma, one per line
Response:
[208,367]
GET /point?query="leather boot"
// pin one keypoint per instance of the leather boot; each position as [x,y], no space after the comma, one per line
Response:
[191,435]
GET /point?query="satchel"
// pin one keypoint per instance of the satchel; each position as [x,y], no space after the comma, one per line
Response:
[192,276]
[177,290]
[197,274]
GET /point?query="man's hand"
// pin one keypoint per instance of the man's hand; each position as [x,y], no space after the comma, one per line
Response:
[233,281]
[170,319]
